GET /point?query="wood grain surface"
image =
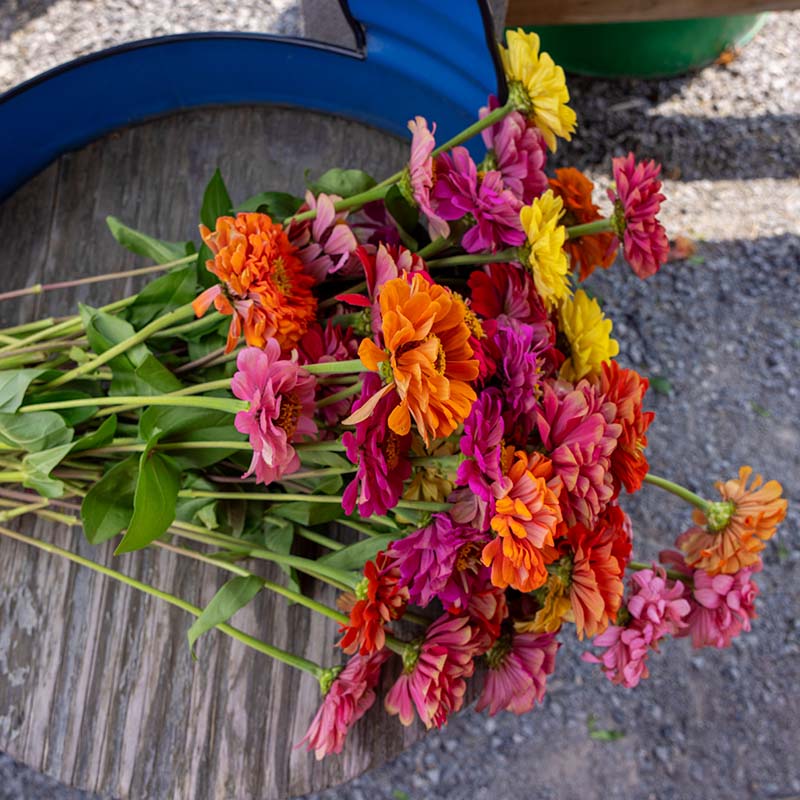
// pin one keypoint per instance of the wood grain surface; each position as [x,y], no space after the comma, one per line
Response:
[97,687]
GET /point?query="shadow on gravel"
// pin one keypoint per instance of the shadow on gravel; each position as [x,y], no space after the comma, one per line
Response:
[15,14]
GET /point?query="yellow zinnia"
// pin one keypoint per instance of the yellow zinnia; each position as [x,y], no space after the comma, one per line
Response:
[537,86]
[588,334]
[545,252]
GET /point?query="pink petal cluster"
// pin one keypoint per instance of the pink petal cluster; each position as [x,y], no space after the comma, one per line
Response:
[459,191]
[434,680]
[470,509]
[281,397]
[656,603]
[351,695]
[517,152]
[422,175]
[638,199]
[517,676]
[326,244]
[481,445]
[577,428]
[380,455]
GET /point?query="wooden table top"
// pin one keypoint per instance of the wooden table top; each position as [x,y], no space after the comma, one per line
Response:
[97,687]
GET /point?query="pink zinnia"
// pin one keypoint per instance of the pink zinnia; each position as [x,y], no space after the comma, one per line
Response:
[459,191]
[481,445]
[325,244]
[435,671]
[281,397]
[470,509]
[350,696]
[625,659]
[517,151]
[519,664]
[380,454]
[655,602]
[422,174]
[637,200]
[577,428]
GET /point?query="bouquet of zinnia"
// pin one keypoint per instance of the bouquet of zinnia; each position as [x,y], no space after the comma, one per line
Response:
[415,361]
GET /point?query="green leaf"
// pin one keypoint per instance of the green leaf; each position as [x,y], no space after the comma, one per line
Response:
[354,556]
[344,182]
[307,513]
[760,410]
[38,466]
[13,385]
[151,377]
[278,205]
[660,385]
[233,595]
[159,251]
[216,201]
[278,536]
[600,734]
[154,501]
[205,277]
[405,215]
[72,416]
[164,294]
[39,430]
[108,506]
[99,438]
[104,330]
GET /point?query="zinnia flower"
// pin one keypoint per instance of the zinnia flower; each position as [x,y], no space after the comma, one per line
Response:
[537,86]
[379,599]
[263,284]
[506,290]
[460,191]
[625,659]
[527,512]
[349,697]
[427,356]
[626,388]
[637,200]
[422,174]
[517,151]
[435,671]
[733,533]
[519,664]
[585,252]
[281,397]
[577,429]
[544,253]
[586,339]
[481,445]
[380,455]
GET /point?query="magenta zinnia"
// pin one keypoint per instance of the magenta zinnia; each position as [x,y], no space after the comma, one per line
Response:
[281,397]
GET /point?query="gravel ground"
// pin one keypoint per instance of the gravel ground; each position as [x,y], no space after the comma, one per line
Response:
[723,329]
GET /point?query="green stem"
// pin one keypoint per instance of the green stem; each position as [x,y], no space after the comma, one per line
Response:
[343,394]
[211,403]
[377,192]
[678,491]
[470,259]
[436,246]
[589,228]
[198,388]
[140,447]
[490,119]
[29,327]
[166,321]
[235,633]
[210,321]
[320,473]
[673,574]
[318,538]
[328,447]
[348,367]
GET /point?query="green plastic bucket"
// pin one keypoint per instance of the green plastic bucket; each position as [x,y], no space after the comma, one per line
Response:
[645,49]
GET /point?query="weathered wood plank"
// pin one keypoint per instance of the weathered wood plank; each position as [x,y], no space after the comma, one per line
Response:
[567,12]
[97,687]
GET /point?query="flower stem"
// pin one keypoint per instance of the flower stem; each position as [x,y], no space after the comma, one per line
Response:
[678,490]
[490,119]
[40,288]
[473,259]
[675,575]
[235,633]
[589,228]
[318,538]
[377,192]
[343,394]
[174,317]
[348,367]
[434,247]
[211,403]
[197,388]
[310,447]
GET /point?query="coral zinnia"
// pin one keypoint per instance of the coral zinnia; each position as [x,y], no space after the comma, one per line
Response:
[527,512]
[349,697]
[585,252]
[435,670]
[422,174]
[537,86]
[507,290]
[637,200]
[379,599]
[586,337]
[626,389]
[263,284]
[731,536]
[281,396]
[544,251]
[428,358]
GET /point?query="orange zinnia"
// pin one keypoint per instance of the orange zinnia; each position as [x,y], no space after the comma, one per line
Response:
[585,252]
[733,532]
[527,513]
[427,357]
[263,285]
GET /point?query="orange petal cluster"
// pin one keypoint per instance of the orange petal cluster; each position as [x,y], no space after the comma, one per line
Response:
[527,512]
[585,252]
[753,514]
[428,354]
[263,283]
